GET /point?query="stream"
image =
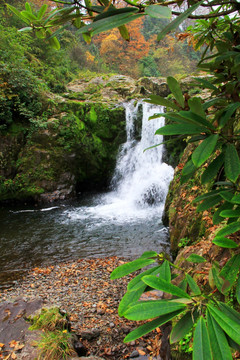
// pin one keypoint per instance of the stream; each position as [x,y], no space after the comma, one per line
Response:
[125,221]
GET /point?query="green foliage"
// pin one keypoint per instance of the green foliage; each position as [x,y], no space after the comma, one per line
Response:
[184,242]
[49,320]
[192,307]
[56,341]
[55,345]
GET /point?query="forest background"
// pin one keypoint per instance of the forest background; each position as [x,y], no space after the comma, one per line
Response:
[108,52]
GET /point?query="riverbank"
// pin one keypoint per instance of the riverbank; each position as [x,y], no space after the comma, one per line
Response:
[84,291]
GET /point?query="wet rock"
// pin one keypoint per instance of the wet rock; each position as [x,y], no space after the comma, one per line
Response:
[14,327]
[92,334]
[153,85]
[30,350]
[134,354]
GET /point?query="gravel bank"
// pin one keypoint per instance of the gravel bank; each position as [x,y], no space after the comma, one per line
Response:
[84,290]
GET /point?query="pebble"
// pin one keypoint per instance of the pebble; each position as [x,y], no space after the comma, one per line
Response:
[134,354]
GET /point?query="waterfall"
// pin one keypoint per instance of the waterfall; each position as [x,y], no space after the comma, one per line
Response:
[140,182]
[125,221]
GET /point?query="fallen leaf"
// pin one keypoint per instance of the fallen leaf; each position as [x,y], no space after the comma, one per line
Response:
[12,343]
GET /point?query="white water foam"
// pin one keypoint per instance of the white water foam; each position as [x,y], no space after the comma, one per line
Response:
[140,182]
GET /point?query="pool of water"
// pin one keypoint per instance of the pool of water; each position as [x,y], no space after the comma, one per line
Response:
[97,225]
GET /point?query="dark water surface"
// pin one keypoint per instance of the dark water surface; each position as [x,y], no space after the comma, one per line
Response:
[93,226]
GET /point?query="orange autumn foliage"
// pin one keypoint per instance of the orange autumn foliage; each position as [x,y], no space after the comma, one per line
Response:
[125,55]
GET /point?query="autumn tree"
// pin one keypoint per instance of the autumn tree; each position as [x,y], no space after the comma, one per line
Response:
[122,55]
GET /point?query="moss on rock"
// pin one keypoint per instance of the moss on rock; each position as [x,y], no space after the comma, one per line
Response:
[75,149]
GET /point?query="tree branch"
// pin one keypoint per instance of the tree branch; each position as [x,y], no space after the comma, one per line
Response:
[207,16]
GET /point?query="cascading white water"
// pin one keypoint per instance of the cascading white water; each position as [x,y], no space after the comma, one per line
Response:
[141,179]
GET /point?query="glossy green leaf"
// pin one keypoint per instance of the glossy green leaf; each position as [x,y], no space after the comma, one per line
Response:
[150,326]
[87,37]
[158,11]
[42,11]
[183,326]
[193,285]
[129,267]
[124,32]
[149,254]
[236,199]
[226,195]
[209,203]
[177,118]
[129,298]
[196,119]
[224,242]
[60,20]
[232,163]
[206,84]
[54,43]
[183,285]
[179,19]
[229,229]
[212,170]
[109,22]
[216,217]
[204,150]
[229,311]
[196,258]
[214,101]
[78,21]
[179,129]
[151,309]
[159,100]
[207,195]
[28,15]
[114,11]
[175,90]
[231,327]
[165,271]
[210,279]
[201,343]
[228,113]
[28,7]
[112,23]
[229,272]
[137,281]
[217,280]
[18,14]
[189,168]
[161,284]
[196,138]
[196,107]
[218,340]
[58,14]
[230,213]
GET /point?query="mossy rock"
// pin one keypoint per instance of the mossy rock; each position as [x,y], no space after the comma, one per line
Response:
[75,149]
